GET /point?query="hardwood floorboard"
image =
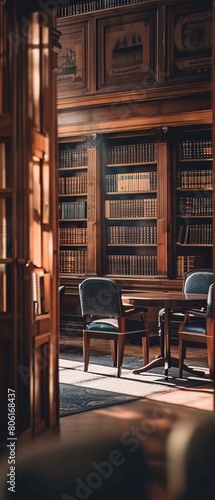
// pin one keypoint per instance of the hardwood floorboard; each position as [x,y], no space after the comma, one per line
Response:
[151,419]
[177,404]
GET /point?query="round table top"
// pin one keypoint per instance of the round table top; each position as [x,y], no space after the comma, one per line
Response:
[166,299]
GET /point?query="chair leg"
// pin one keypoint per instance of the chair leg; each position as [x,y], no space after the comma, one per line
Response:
[113,348]
[210,352]
[161,337]
[86,350]
[145,347]
[182,354]
[120,353]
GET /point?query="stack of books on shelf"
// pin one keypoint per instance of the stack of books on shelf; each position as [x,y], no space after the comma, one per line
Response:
[195,234]
[195,149]
[76,157]
[145,152]
[195,205]
[124,235]
[73,209]
[195,179]
[185,263]
[72,185]
[73,261]
[134,181]
[90,6]
[73,235]
[131,208]
[132,265]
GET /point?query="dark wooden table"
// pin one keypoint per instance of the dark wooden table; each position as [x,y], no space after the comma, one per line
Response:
[168,300]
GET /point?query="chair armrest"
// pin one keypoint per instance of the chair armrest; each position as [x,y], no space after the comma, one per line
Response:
[128,309]
[188,315]
[197,313]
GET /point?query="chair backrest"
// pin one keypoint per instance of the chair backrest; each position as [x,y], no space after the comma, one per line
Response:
[62,290]
[210,332]
[198,281]
[210,301]
[100,297]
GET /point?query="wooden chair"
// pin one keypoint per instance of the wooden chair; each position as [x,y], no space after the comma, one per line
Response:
[62,290]
[104,317]
[195,281]
[198,327]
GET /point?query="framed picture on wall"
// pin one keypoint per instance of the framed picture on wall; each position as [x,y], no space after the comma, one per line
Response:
[72,59]
[126,54]
[190,39]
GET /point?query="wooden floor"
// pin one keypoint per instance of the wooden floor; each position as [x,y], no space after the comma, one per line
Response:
[160,411]
[146,425]
[202,397]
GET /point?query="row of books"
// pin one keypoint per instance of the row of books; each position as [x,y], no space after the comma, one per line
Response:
[132,235]
[195,179]
[72,185]
[72,235]
[184,263]
[195,234]
[195,149]
[73,157]
[73,209]
[144,152]
[199,205]
[138,207]
[82,7]
[133,181]
[73,261]
[132,265]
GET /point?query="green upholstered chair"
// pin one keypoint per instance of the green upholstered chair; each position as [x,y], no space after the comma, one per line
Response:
[62,290]
[197,328]
[104,318]
[195,281]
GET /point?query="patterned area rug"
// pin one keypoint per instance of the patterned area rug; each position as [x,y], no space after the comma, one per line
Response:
[75,399]
[99,387]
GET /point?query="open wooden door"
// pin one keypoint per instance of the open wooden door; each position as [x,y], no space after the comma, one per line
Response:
[31,339]
[212,343]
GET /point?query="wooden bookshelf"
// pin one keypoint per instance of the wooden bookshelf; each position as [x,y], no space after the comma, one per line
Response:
[132,223]
[79,208]
[131,207]
[124,233]
[193,199]
[127,213]
[83,7]
[72,189]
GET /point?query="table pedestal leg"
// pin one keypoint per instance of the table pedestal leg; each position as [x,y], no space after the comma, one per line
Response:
[166,361]
[173,362]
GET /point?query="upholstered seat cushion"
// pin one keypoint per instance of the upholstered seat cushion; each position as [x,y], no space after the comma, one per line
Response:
[111,325]
[176,314]
[197,326]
